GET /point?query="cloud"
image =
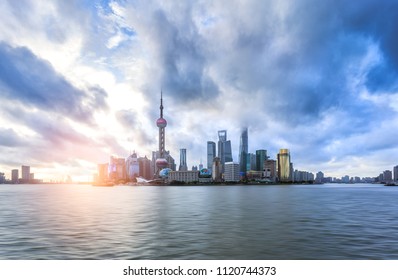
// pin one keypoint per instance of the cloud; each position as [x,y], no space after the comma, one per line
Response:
[319,78]
[27,79]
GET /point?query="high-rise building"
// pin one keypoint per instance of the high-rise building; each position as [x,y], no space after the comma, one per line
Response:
[103,172]
[251,162]
[145,168]
[319,177]
[261,156]
[387,174]
[14,176]
[243,151]
[183,160]
[231,173]
[211,154]
[217,170]
[25,171]
[224,148]
[2,178]
[132,166]
[284,166]
[117,169]
[270,170]
[395,173]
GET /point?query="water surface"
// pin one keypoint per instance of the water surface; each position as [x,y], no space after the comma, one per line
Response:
[198,222]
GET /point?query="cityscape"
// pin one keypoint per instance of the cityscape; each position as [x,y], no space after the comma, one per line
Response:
[254,168]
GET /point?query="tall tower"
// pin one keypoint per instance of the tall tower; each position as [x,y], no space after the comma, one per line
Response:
[183,160]
[243,152]
[224,148]
[211,154]
[284,166]
[161,123]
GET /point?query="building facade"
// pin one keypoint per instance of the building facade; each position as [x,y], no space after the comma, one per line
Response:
[145,168]
[217,170]
[117,169]
[269,168]
[132,167]
[211,154]
[224,148]
[184,176]
[25,171]
[284,166]
[243,152]
[261,156]
[183,160]
[395,173]
[232,172]
[14,176]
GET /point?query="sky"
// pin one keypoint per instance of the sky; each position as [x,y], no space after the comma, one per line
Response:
[81,81]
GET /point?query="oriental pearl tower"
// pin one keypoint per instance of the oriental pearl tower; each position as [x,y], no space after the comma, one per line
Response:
[161,162]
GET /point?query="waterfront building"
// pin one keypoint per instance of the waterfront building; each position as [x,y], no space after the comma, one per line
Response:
[387,175]
[184,176]
[232,172]
[117,169]
[254,175]
[243,152]
[345,179]
[270,170]
[145,168]
[217,170]
[211,153]
[103,172]
[319,177]
[303,176]
[224,148]
[261,157]
[183,160]
[14,176]
[395,173]
[25,171]
[132,167]
[251,162]
[284,166]
[2,178]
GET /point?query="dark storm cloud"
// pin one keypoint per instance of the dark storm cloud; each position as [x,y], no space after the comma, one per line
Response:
[180,61]
[33,82]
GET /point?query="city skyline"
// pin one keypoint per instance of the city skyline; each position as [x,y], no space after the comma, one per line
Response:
[81,81]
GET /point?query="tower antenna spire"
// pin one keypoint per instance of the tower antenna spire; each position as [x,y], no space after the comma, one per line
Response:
[161,103]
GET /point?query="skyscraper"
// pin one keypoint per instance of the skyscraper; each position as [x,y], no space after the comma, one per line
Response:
[261,156]
[211,154]
[132,166]
[145,168]
[183,160]
[14,176]
[395,173]
[243,150]
[25,171]
[224,148]
[284,166]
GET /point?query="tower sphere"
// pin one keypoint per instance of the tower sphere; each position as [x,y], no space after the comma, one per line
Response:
[161,122]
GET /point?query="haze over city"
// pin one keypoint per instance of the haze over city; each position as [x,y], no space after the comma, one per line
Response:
[81,80]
